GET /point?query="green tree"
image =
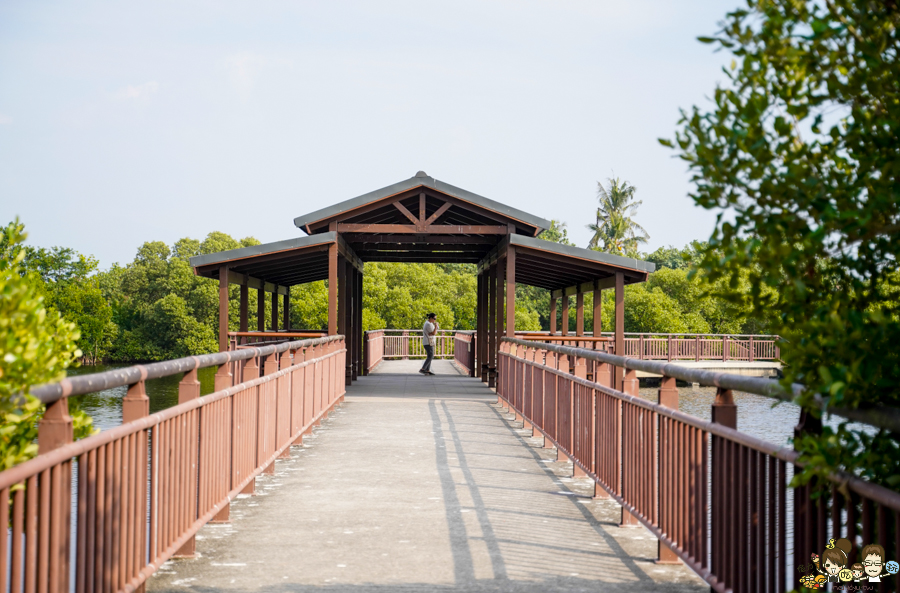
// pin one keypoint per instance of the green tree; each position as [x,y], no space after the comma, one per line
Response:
[801,151]
[615,230]
[558,233]
[36,347]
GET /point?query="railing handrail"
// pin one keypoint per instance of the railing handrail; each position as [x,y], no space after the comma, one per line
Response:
[764,336]
[878,416]
[91,383]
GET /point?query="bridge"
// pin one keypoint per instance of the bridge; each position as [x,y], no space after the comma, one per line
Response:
[322,461]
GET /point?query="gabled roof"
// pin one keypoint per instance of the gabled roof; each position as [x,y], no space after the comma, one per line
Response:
[534,224]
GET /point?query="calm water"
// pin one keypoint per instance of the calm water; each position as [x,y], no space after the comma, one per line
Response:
[105,407]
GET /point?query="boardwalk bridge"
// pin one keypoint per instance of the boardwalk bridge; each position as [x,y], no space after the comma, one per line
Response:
[322,461]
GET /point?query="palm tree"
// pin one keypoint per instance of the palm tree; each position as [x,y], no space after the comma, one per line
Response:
[615,231]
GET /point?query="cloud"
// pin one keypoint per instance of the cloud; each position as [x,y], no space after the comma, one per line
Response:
[5,119]
[140,91]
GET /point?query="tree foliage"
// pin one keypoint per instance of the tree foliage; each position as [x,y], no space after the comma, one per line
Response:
[615,230]
[36,347]
[801,150]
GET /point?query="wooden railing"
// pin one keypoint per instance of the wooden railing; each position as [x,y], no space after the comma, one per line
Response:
[717,499]
[674,347]
[464,348]
[144,489]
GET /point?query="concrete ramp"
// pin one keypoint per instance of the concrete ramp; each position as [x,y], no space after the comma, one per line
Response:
[422,484]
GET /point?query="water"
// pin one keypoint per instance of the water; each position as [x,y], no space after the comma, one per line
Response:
[757,415]
[105,407]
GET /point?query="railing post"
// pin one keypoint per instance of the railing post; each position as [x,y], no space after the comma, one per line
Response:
[751,348]
[724,410]
[669,348]
[188,390]
[640,347]
[404,345]
[725,349]
[697,348]
[631,384]
[668,397]
[54,431]
[549,396]
[580,371]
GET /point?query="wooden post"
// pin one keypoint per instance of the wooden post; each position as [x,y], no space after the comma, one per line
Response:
[498,326]
[223,308]
[598,310]
[286,322]
[510,292]
[491,322]
[479,317]
[579,314]
[332,288]
[620,326]
[261,309]
[275,310]
[565,314]
[552,315]
[245,298]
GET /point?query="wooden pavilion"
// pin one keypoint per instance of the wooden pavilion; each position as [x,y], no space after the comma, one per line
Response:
[421,220]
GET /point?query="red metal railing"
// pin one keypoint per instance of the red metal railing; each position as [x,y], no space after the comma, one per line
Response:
[716,498]
[373,350]
[464,351]
[673,347]
[146,487]
[406,343]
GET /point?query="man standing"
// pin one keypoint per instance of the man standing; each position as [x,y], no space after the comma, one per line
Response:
[428,331]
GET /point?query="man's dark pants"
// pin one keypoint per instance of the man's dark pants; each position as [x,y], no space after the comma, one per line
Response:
[429,352]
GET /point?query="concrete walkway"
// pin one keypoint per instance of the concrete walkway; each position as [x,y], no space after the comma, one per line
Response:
[422,484]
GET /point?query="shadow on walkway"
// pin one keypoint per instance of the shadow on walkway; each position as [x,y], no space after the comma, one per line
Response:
[423,484]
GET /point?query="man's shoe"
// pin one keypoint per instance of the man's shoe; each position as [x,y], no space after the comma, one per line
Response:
[423,371]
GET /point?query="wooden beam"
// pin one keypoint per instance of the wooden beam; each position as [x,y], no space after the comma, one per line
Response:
[260,310]
[406,212]
[553,313]
[437,214]
[435,229]
[251,282]
[293,252]
[332,288]
[404,239]
[245,298]
[599,284]
[579,314]
[223,308]
[620,327]
[348,253]
[422,207]
[511,292]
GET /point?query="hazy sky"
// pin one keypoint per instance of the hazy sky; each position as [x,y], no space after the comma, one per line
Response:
[126,122]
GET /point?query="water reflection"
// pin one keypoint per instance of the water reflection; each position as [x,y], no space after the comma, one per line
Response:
[105,407]
[757,416]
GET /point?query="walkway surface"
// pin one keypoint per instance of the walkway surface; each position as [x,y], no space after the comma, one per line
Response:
[422,484]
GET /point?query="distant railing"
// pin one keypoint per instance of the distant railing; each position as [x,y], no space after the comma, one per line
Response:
[464,347]
[673,347]
[402,344]
[717,499]
[144,489]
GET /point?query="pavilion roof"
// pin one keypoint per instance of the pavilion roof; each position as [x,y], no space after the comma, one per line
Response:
[466,208]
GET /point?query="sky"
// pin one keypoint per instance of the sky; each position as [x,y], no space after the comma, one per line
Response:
[122,123]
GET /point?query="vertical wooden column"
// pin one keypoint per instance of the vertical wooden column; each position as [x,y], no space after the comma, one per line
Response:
[598,310]
[620,327]
[552,314]
[261,309]
[223,308]
[274,321]
[358,334]
[510,292]
[353,297]
[479,315]
[579,313]
[245,301]
[498,324]
[565,314]
[332,289]
[491,322]
[344,311]
[286,313]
